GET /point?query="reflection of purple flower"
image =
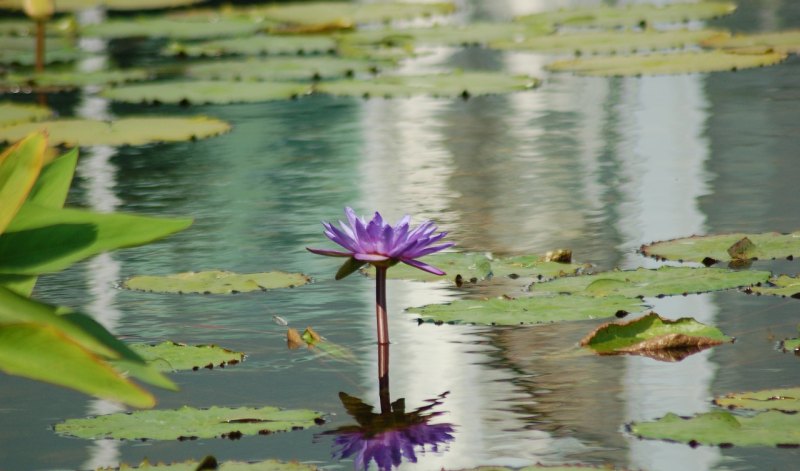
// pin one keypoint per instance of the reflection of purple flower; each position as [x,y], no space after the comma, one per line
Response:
[388,448]
[382,244]
[388,437]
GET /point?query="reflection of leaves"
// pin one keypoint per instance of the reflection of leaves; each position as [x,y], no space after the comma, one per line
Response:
[188,422]
[771,428]
[655,337]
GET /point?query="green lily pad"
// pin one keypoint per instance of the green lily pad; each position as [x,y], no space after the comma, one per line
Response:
[604,42]
[665,64]
[632,14]
[655,337]
[532,310]
[77,5]
[124,131]
[172,28]
[70,79]
[189,423]
[207,91]
[13,113]
[446,35]
[215,282]
[533,266]
[722,428]
[285,68]
[785,399]
[791,345]
[783,285]
[443,85]
[545,467]
[714,248]
[211,463]
[787,42]
[346,13]
[665,281]
[171,356]
[22,51]
[467,266]
[257,45]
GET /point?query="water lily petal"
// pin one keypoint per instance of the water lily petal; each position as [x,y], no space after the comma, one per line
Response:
[423,266]
[370,257]
[429,250]
[329,253]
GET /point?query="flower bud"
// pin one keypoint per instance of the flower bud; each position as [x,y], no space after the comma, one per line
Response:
[38,9]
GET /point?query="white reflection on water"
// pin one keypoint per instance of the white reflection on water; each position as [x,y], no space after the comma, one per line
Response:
[663,153]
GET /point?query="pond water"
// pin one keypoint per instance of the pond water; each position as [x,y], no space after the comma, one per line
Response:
[596,165]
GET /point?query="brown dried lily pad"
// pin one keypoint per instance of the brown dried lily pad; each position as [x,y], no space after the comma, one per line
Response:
[655,337]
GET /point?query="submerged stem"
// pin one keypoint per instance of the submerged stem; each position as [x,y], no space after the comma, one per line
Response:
[40,30]
[383,378]
[380,304]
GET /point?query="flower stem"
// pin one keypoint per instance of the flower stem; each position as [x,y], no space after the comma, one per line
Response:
[380,304]
[40,27]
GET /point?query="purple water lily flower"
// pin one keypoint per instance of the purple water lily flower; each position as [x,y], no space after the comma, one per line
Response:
[382,245]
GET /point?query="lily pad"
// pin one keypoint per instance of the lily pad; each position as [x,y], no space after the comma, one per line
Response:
[533,266]
[172,28]
[779,41]
[21,51]
[604,42]
[215,282]
[255,46]
[124,131]
[68,80]
[791,345]
[785,399]
[632,14]
[171,356]
[351,14]
[445,35]
[714,248]
[783,285]
[77,5]
[665,281]
[207,91]
[460,267]
[665,64]
[655,337]
[722,428]
[285,68]
[189,423]
[210,463]
[13,113]
[443,85]
[532,310]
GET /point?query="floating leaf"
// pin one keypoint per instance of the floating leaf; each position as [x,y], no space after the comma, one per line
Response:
[604,42]
[725,429]
[67,80]
[779,41]
[216,282]
[205,92]
[460,268]
[534,310]
[13,113]
[632,14]
[123,131]
[714,248]
[77,5]
[172,28]
[345,13]
[171,356]
[189,423]
[655,337]
[546,467]
[785,399]
[443,85]
[665,64]
[445,35]
[665,281]
[207,464]
[783,285]
[285,68]
[27,247]
[533,266]
[21,51]
[257,45]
